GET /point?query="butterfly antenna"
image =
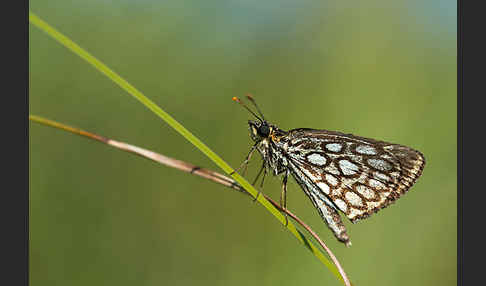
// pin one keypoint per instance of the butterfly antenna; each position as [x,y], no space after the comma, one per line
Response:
[250,97]
[246,107]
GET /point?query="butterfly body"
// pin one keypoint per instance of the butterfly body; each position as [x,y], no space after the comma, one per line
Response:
[339,172]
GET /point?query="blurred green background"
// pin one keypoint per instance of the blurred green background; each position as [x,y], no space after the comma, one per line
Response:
[99,216]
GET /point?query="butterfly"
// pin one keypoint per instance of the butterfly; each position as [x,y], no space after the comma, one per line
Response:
[338,172]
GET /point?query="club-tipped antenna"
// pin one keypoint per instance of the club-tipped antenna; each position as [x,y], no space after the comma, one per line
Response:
[246,107]
[250,97]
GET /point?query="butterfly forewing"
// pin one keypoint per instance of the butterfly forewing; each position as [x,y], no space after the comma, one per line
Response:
[358,175]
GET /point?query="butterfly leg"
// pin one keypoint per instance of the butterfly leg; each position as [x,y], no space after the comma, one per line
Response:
[283,197]
[258,175]
[264,170]
[247,159]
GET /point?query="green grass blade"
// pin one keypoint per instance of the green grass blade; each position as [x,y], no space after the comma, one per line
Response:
[66,42]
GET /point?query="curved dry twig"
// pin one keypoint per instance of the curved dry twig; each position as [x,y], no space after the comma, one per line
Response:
[191,169]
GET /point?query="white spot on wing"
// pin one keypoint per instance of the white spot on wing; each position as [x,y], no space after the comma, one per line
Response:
[372,205]
[365,191]
[334,147]
[331,180]
[341,205]
[376,184]
[347,167]
[324,187]
[353,212]
[332,169]
[336,192]
[382,176]
[353,198]
[386,156]
[317,159]
[380,164]
[395,174]
[366,150]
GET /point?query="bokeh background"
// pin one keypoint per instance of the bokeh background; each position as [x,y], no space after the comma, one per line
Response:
[99,216]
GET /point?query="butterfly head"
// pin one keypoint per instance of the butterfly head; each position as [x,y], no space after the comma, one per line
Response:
[260,129]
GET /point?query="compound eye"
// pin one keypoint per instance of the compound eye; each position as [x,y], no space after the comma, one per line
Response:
[264,130]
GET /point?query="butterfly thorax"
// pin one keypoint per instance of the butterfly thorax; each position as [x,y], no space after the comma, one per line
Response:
[270,141]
